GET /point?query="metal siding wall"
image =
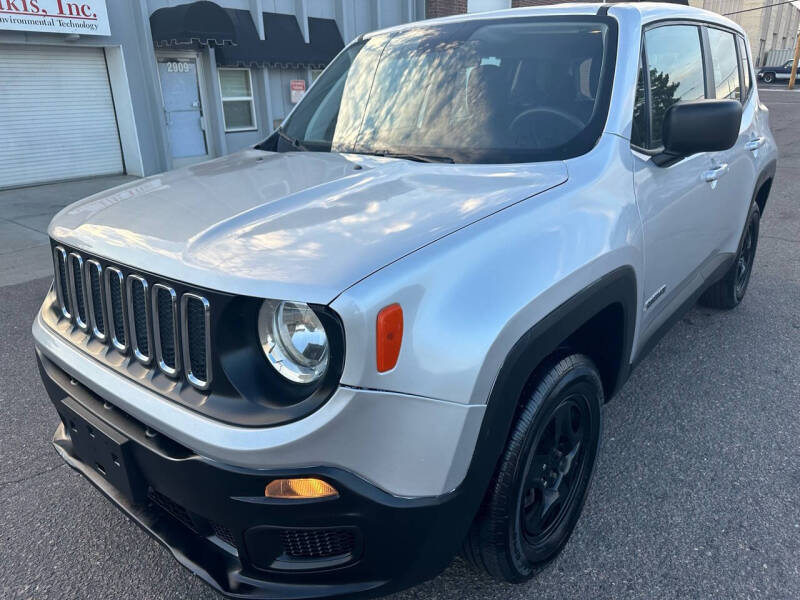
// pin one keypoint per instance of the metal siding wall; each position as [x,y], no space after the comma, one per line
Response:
[363,19]
[391,12]
[130,31]
[324,9]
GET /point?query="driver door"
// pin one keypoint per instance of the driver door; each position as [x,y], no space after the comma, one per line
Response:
[682,231]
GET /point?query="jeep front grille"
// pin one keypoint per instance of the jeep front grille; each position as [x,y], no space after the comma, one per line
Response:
[115,302]
[165,326]
[61,282]
[137,315]
[97,305]
[196,347]
[77,290]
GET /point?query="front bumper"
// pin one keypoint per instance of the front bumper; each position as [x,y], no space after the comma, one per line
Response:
[216,522]
[406,445]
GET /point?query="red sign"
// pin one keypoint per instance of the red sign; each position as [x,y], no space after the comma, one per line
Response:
[297,88]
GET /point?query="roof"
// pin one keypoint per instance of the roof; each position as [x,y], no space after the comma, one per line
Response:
[646,11]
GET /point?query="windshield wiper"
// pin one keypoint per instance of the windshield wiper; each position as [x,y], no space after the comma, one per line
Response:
[426,158]
[292,141]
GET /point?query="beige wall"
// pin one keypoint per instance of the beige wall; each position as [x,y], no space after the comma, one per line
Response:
[773,27]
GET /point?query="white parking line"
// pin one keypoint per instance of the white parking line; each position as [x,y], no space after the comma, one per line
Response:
[795,91]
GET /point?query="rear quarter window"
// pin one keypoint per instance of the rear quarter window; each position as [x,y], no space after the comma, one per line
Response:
[744,59]
[724,59]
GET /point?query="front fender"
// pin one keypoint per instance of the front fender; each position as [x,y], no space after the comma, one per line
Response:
[470,296]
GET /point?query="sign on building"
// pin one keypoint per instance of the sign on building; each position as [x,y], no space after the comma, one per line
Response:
[84,17]
[297,88]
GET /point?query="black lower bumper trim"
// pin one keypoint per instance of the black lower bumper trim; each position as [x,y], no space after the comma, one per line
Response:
[216,522]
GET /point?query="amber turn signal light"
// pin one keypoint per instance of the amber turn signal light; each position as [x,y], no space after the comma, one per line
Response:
[299,489]
[389,336]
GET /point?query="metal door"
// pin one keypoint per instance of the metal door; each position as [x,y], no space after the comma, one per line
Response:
[183,109]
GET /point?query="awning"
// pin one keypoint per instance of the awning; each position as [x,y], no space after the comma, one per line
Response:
[203,22]
[284,45]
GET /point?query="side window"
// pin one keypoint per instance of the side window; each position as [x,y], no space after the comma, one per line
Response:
[639,125]
[675,64]
[726,65]
[745,61]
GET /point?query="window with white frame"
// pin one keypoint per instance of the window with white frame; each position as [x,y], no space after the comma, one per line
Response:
[238,107]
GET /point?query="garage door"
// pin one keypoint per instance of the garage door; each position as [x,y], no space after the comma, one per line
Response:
[57,117]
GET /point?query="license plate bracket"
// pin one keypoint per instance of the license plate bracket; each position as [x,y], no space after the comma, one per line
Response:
[103,449]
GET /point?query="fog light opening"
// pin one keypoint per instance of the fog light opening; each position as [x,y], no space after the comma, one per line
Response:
[305,488]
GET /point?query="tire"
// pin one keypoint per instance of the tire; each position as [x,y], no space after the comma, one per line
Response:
[769,77]
[728,292]
[515,534]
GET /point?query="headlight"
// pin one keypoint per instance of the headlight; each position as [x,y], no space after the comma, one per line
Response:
[294,340]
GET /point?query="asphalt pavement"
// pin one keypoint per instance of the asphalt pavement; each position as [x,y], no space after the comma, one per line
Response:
[695,495]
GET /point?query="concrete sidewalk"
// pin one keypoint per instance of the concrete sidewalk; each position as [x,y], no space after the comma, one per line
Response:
[24,216]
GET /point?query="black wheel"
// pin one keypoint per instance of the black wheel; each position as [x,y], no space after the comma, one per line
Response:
[769,77]
[729,291]
[541,483]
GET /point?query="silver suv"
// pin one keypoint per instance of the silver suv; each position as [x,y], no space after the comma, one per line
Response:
[325,365]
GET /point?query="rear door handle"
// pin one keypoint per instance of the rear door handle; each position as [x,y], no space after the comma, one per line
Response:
[714,173]
[755,143]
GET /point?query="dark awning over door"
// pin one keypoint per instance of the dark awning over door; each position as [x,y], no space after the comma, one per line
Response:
[284,45]
[202,22]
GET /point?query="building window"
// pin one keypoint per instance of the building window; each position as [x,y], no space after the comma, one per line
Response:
[238,107]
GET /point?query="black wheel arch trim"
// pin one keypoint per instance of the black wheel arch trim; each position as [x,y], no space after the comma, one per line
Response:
[535,345]
[766,174]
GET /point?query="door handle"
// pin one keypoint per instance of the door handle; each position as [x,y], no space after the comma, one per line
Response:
[755,143]
[714,173]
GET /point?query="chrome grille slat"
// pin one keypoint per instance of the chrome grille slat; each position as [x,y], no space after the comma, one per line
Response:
[117,313]
[96,301]
[165,329]
[137,291]
[196,337]
[160,326]
[61,281]
[77,289]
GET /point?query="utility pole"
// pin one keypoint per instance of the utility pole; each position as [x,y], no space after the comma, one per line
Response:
[794,63]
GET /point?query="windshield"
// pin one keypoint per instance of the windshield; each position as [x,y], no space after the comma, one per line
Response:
[486,91]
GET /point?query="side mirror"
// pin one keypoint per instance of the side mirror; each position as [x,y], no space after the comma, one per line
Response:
[700,126]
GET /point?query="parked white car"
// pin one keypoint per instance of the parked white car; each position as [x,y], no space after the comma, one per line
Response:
[324,365]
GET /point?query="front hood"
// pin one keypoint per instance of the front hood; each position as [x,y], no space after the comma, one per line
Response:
[296,226]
